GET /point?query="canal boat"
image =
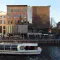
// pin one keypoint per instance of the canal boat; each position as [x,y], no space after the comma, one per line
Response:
[20,48]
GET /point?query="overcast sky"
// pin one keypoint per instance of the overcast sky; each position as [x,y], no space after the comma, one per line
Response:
[54,9]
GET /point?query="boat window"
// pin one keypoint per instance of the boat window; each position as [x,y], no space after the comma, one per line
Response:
[22,48]
[7,47]
[14,47]
[1,47]
[30,48]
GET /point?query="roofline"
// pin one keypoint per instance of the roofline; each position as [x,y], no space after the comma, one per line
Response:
[15,5]
[42,6]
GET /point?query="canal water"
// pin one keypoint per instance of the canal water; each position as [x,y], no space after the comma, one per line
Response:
[48,53]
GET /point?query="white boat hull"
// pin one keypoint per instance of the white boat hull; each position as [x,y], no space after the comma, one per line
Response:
[15,52]
[9,48]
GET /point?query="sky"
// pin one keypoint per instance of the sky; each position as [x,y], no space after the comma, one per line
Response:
[54,6]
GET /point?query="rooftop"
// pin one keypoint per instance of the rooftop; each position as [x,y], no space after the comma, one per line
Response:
[15,5]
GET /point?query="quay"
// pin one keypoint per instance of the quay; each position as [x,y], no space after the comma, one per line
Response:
[43,42]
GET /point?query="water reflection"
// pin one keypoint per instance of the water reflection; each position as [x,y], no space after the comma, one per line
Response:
[48,53]
[32,57]
[55,52]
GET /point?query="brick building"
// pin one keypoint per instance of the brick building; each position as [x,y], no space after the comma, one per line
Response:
[39,15]
[15,15]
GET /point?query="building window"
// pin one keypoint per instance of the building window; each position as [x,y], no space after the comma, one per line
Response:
[23,15]
[14,47]
[8,10]
[4,16]
[0,29]
[4,27]
[16,21]
[16,15]
[18,10]
[0,17]
[10,21]
[9,16]
[3,31]
[1,47]
[15,10]
[4,21]
[11,10]
[24,10]
[7,47]
[0,21]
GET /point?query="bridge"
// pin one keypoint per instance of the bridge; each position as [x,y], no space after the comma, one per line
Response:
[42,42]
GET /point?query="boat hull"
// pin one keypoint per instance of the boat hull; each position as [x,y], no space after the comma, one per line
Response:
[22,53]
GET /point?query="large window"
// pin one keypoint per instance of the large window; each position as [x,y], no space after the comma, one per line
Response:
[7,47]
[14,47]
[0,21]
[31,48]
[1,47]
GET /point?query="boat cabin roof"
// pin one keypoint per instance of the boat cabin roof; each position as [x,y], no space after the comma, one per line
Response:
[28,44]
[20,44]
